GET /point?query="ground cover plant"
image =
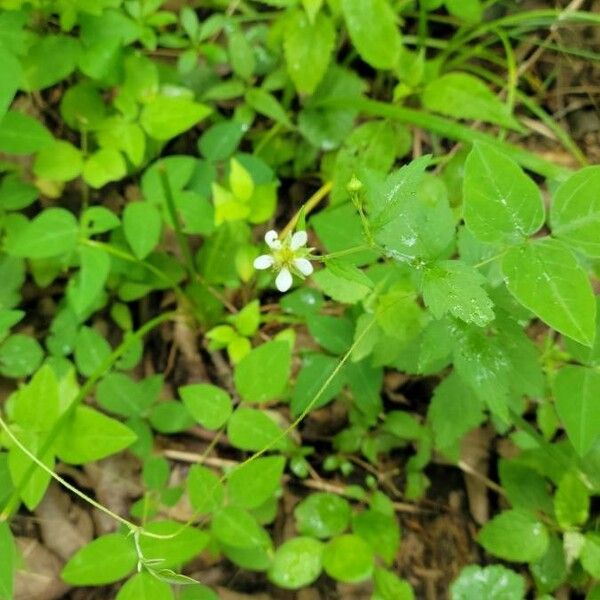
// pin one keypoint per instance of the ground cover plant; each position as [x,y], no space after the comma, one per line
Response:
[298,299]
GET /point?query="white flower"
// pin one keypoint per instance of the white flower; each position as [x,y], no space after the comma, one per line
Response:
[287,256]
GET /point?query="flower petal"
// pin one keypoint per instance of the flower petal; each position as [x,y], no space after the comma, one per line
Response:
[264,261]
[283,282]
[272,239]
[303,265]
[299,239]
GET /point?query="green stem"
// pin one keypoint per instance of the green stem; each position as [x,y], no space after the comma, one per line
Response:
[345,252]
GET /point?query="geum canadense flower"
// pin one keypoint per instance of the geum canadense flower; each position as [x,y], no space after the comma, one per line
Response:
[287,256]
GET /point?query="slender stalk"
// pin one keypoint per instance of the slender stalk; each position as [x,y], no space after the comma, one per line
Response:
[308,207]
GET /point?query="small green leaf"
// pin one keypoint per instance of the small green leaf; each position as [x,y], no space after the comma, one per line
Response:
[262,374]
[381,532]
[20,355]
[105,560]
[322,515]
[501,203]
[91,350]
[546,278]
[307,48]
[49,59]
[103,166]
[453,287]
[58,161]
[221,140]
[389,586]
[492,583]
[250,429]
[9,82]
[590,554]
[266,104]
[208,404]
[571,501]
[465,96]
[22,134]
[235,527]
[576,390]
[144,586]
[252,484]
[297,563]
[205,490]
[8,564]
[362,19]
[348,558]
[89,435]
[53,232]
[142,226]
[575,211]
[515,535]
[165,117]
[93,273]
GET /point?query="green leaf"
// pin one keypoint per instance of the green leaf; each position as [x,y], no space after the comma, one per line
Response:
[89,435]
[266,104]
[91,350]
[348,558]
[501,203]
[82,107]
[121,395]
[252,484]
[50,59]
[237,528]
[165,117]
[262,374]
[335,283]
[334,334]
[381,51]
[524,487]
[22,134]
[551,570]
[576,390]
[590,554]
[93,273]
[546,278]
[389,586]
[453,287]
[103,166]
[105,560]
[186,543]
[297,563]
[36,405]
[142,226]
[470,11]
[322,515]
[59,161]
[53,232]
[465,96]
[144,586]
[307,49]
[9,82]
[575,211]
[221,140]
[381,531]
[492,583]
[208,404]
[250,429]
[8,564]
[571,501]
[205,490]
[20,355]
[515,535]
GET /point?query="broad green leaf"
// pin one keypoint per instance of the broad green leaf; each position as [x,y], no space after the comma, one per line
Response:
[262,374]
[165,117]
[208,404]
[36,405]
[470,11]
[501,203]
[20,355]
[453,287]
[575,211]
[8,564]
[524,487]
[91,351]
[587,355]
[116,133]
[551,570]
[144,586]
[571,501]
[89,435]
[50,59]
[389,586]
[197,592]
[322,515]
[104,166]
[142,226]
[250,429]
[380,50]
[186,543]
[266,104]
[105,560]
[241,54]
[170,416]
[87,287]
[8,318]
[121,395]
[492,583]
[546,278]
[98,219]
[237,528]
[252,484]
[22,134]
[465,96]
[59,161]
[334,334]
[576,390]
[205,490]
[381,531]
[297,563]
[53,232]
[590,554]
[307,49]
[348,558]
[515,535]
[11,77]
[221,140]
[82,107]
[334,282]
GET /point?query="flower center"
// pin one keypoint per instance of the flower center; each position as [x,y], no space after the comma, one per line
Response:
[285,256]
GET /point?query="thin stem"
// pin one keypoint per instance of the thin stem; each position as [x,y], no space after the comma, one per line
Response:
[345,252]
[308,207]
